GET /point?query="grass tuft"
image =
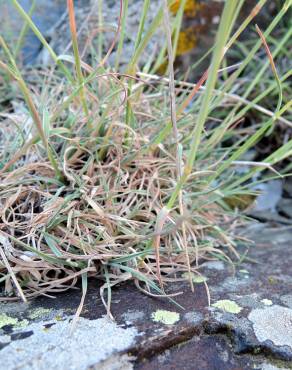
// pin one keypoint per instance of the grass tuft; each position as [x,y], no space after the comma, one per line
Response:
[126,175]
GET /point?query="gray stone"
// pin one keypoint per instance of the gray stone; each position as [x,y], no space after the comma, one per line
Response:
[267,366]
[115,362]
[133,316]
[250,300]
[193,317]
[61,346]
[214,265]
[287,300]
[36,336]
[273,323]
[13,307]
[233,284]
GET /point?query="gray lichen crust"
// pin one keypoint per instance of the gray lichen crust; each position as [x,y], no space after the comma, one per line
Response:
[273,323]
[59,347]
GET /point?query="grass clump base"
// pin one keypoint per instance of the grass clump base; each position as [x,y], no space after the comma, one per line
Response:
[100,218]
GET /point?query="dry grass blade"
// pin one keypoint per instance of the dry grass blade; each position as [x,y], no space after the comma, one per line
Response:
[72,23]
[10,271]
[274,69]
[179,148]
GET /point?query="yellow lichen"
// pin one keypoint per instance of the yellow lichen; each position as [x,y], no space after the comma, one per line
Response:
[186,41]
[8,320]
[38,313]
[240,201]
[227,306]
[162,68]
[190,9]
[195,278]
[165,317]
[21,324]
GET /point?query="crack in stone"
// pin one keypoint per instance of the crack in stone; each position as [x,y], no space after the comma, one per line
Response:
[240,342]
[243,344]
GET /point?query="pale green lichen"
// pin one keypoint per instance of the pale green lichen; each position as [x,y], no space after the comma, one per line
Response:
[8,320]
[165,317]
[39,313]
[227,306]
[267,302]
[21,324]
[197,279]
[243,271]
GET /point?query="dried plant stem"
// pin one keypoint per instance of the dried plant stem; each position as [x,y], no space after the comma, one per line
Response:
[221,40]
[274,69]
[179,148]
[122,32]
[10,271]
[167,129]
[72,22]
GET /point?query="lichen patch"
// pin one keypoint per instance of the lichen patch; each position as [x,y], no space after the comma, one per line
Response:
[60,347]
[197,279]
[267,302]
[8,320]
[227,306]
[39,313]
[273,323]
[165,317]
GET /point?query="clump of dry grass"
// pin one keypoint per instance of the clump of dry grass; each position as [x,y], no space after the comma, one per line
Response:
[102,216]
[116,176]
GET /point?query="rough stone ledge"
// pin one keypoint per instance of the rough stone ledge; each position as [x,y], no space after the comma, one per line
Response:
[159,343]
[242,341]
[249,323]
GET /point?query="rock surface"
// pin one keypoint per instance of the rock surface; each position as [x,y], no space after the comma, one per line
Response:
[247,326]
[201,19]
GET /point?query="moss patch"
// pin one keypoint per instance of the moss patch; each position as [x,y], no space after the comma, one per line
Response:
[165,317]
